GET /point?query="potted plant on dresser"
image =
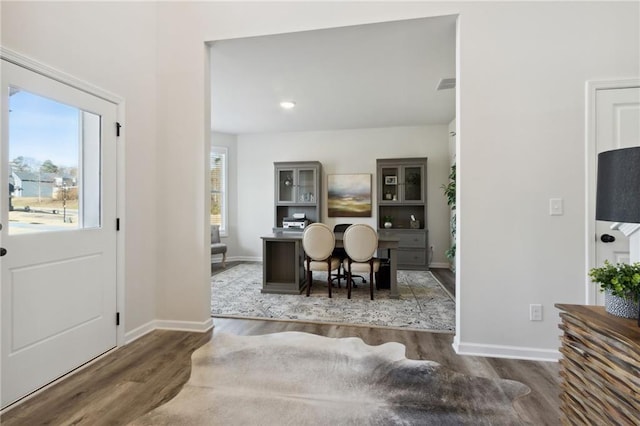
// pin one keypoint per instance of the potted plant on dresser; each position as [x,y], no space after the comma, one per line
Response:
[621,286]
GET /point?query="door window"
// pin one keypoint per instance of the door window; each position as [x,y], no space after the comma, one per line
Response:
[54,165]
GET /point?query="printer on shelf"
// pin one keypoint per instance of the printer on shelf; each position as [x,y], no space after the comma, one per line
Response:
[298,221]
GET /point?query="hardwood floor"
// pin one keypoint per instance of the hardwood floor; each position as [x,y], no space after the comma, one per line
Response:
[148,372]
[447,278]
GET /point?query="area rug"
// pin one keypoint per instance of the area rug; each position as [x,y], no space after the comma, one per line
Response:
[423,303]
[295,378]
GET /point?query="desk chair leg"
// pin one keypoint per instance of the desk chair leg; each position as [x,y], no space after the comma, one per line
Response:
[371,277]
[309,278]
[371,281]
[349,281]
[329,275]
[338,276]
[224,260]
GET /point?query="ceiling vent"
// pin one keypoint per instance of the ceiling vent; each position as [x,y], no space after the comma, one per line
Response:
[446,83]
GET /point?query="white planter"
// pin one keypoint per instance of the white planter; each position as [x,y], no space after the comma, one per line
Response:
[620,307]
[388,225]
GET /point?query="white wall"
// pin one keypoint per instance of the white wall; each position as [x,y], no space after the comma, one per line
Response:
[521,142]
[112,47]
[521,78]
[339,151]
[521,109]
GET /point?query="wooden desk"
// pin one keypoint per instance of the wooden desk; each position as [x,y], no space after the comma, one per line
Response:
[283,257]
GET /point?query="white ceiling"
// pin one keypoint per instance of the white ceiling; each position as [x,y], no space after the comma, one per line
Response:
[365,76]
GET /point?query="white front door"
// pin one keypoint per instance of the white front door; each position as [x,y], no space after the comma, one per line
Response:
[58,215]
[617,125]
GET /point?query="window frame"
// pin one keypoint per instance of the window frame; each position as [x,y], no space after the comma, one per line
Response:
[222,151]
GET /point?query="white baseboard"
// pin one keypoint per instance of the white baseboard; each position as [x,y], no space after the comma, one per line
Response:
[138,332]
[239,259]
[444,265]
[198,327]
[500,351]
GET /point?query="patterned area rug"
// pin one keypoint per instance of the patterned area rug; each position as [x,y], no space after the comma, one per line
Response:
[423,303]
[297,378]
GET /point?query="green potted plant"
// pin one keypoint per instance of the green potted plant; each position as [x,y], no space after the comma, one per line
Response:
[388,221]
[450,192]
[621,285]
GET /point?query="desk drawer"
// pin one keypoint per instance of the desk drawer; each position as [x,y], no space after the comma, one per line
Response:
[412,239]
[412,257]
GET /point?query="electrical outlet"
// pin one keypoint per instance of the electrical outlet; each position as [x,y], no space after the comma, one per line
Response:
[535,312]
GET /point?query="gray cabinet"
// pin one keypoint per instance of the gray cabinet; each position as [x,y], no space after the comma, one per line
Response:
[282,267]
[401,181]
[297,190]
[402,201]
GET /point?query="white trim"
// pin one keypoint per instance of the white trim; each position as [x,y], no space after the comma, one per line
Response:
[244,259]
[444,265]
[459,173]
[69,80]
[188,326]
[502,351]
[55,74]
[218,259]
[193,326]
[121,235]
[137,333]
[591,87]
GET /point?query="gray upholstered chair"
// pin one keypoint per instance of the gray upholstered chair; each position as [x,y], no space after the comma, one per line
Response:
[318,242]
[360,242]
[218,247]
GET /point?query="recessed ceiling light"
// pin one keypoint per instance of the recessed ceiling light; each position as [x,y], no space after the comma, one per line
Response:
[287,104]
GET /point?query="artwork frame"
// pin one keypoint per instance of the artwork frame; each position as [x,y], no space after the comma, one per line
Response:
[349,195]
[391,180]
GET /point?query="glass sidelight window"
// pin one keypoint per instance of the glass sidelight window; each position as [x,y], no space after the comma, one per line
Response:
[218,174]
[54,165]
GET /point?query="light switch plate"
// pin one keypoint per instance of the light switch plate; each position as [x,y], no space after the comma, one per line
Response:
[556,207]
[535,312]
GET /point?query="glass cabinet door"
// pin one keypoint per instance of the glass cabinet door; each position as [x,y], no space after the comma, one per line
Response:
[390,179]
[286,186]
[413,183]
[306,186]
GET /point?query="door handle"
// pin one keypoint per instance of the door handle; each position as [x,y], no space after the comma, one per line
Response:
[606,238]
[3,251]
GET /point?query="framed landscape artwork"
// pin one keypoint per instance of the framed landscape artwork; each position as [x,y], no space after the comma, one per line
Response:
[349,195]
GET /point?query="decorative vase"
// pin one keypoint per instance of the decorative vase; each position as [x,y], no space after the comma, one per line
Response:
[388,225]
[619,306]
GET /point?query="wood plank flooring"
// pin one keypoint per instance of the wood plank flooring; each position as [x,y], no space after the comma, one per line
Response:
[447,278]
[148,372]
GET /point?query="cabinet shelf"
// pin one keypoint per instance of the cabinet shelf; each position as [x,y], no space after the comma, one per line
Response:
[402,194]
[297,190]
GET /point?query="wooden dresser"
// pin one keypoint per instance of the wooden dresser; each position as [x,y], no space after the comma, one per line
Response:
[600,367]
